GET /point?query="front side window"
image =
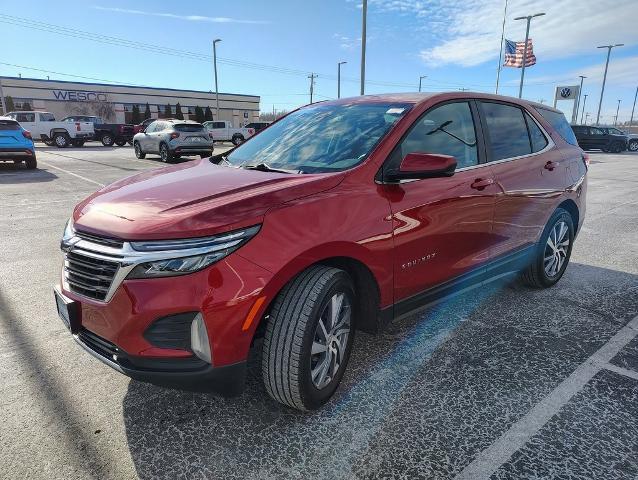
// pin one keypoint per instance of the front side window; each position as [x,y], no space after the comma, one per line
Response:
[507,130]
[448,130]
[25,117]
[321,137]
[596,131]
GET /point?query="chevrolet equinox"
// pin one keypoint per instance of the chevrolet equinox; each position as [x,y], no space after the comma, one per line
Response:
[338,217]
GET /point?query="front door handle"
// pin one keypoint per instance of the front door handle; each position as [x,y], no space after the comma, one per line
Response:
[481,183]
[551,165]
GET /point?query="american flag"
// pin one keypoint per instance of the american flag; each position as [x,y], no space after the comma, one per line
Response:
[514,54]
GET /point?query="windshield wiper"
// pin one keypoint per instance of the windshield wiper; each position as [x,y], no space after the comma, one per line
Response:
[264,167]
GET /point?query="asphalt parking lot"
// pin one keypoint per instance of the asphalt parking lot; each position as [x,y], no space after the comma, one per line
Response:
[505,382]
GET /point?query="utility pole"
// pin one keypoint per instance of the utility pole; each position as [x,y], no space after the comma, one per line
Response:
[364,14]
[586,117]
[215,68]
[420,79]
[580,92]
[583,112]
[602,91]
[631,121]
[2,104]
[339,78]
[500,53]
[617,110]
[529,19]
[312,77]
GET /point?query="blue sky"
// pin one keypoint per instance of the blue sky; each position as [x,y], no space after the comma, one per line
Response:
[454,42]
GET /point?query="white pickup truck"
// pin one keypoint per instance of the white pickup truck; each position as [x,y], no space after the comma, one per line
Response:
[43,126]
[223,131]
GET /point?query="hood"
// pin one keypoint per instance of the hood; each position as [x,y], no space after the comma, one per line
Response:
[192,199]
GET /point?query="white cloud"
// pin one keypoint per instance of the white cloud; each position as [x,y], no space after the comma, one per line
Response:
[467,32]
[190,18]
[346,42]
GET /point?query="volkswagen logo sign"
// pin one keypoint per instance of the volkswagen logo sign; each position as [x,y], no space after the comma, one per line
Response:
[566,92]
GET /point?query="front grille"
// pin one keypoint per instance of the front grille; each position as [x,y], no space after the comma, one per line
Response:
[99,345]
[108,242]
[89,276]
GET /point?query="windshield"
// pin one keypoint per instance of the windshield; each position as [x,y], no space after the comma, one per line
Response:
[320,138]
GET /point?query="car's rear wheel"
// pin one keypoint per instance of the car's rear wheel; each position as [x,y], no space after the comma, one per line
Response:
[107,140]
[617,147]
[552,251]
[61,140]
[31,163]
[138,150]
[309,337]
[238,140]
[77,143]
[165,153]
[633,145]
[120,143]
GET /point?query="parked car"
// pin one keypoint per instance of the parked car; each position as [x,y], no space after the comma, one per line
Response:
[16,144]
[172,139]
[632,138]
[223,131]
[257,126]
[140,127]
[43,126]
[107,133]
[590,137]
[340,216]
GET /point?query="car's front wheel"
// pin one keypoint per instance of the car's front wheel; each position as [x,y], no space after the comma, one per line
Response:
[165,153]
[61,140]
[120,143]
[633,145]
[107,140]
[238,140]
[309,337]
[138,150]
[552,251]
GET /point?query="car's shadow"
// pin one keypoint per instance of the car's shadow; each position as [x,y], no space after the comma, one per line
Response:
[421,398]
[18,173]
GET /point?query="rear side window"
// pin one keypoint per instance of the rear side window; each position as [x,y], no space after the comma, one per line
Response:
[9,125]
[25,117]
[189,127]
[536,135]
[559,123]
[47,117]
[448,130]
[507,130]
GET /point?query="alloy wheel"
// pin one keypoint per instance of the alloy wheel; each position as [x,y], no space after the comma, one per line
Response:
[330,340]
[556,249]
[633,146]
[163,153]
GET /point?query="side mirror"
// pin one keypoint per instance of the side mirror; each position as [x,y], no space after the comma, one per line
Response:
[424,165]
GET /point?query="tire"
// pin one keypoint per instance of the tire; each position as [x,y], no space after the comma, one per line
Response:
[633,145]
[49,143]
[538,275]
[617,147]
[77,143]
[120,143]
[605,149]
[206,155]
[107,140]
[237,140]
[61,140]
[165,153]
[31,163]
[291,372]
[138,151]
[130,142]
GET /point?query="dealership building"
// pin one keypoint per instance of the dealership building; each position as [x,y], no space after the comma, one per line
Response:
[115,102]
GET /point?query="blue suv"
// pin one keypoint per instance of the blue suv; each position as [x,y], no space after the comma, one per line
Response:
[16,144]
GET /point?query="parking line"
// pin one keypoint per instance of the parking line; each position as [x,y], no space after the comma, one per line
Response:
[621,371]
[74,174]
[499,452]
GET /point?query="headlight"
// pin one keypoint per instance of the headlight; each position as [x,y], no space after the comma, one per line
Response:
[186,256]
[67,236]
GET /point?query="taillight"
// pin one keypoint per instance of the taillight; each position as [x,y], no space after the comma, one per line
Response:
[210,134]
[77,126]
[26,134]
[174,135]
[585,157]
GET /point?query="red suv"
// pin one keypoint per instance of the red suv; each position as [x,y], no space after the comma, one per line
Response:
[340,216]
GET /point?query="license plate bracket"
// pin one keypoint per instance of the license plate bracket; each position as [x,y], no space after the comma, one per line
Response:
[68,310]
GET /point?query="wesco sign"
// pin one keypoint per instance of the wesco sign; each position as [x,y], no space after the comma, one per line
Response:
[79,96]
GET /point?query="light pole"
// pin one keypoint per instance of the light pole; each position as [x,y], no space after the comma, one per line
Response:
[500,53]
[587,117]
[215,67]
[364,14]
[602,91]
[580,92]
[420,79]
[631,121]
[617,110]
[529,19]
[339,78]
[2,104]
[583,112]
[312,77]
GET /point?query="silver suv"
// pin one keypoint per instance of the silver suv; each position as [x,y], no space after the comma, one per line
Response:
[172,139]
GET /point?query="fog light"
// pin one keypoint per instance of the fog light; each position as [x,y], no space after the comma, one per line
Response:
[200,344]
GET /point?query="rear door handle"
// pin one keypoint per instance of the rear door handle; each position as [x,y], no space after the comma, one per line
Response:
[551,165]
[481,183]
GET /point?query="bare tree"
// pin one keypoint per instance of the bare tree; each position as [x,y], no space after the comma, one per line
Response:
[104,110]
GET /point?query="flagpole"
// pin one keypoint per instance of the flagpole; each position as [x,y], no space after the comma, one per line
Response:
[500,53]
[529,19]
